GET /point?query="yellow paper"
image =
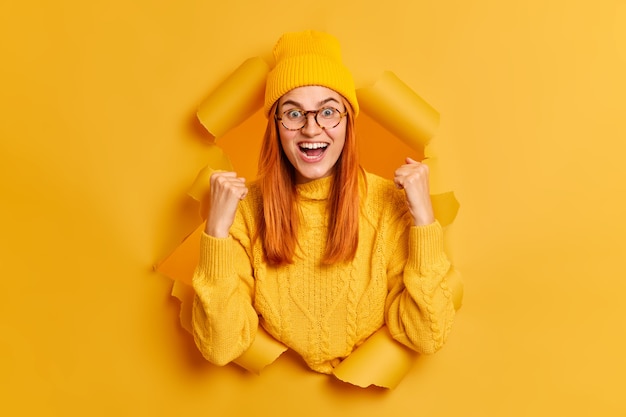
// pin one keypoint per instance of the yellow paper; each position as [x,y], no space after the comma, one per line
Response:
[263,351]
[185,294]
[181,263]
[400,110]
[200,186]
[445,207]
[379,361]
[236,99]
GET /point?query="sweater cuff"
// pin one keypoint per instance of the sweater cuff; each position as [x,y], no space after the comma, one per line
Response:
[216,260]
[426,249]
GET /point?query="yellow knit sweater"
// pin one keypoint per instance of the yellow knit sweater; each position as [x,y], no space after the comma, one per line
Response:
[323,312]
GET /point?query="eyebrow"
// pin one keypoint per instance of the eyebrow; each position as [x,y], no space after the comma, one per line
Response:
[298,105]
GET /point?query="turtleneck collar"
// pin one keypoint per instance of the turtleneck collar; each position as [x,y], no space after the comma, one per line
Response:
[316,189]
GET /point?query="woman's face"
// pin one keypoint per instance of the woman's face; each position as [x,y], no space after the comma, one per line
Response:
[312,151]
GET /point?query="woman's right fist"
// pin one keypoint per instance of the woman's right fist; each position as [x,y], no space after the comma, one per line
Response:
[226,190]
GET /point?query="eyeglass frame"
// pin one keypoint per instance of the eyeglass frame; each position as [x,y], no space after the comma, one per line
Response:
[306,117]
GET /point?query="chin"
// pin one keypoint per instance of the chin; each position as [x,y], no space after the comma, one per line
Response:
[312,176]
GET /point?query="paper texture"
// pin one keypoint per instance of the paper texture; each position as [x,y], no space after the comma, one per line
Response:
[185,294]
[399,110]
[379,361]
[445,207]
[236,99]
[181,263]
[263,351]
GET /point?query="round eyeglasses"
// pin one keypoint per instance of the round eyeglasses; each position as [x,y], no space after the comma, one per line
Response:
[296,119]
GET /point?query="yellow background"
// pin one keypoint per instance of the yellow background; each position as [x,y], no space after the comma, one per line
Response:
[99,143]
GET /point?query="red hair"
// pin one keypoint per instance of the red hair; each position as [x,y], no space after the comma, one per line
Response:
[278,226]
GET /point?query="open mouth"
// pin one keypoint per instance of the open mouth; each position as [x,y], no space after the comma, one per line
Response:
[313,150]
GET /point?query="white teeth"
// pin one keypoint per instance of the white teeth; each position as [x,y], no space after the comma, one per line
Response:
[313,145]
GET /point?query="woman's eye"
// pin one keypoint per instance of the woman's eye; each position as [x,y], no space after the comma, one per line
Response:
[327,112]
[294,114]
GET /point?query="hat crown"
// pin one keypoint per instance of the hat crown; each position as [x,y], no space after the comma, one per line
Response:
[292,45]
[308,58]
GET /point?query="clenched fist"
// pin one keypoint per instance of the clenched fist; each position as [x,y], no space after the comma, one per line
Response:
[413,178]
[226,190]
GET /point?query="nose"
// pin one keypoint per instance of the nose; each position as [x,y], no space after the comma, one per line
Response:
[311,128]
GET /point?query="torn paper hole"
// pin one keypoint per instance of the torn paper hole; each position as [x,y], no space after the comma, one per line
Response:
[380,360]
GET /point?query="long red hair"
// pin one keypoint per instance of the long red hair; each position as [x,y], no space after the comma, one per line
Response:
[278,227]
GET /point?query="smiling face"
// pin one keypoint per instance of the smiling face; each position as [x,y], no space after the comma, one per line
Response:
[312,151]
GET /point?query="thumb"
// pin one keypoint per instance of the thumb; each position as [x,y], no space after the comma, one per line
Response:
[410,160]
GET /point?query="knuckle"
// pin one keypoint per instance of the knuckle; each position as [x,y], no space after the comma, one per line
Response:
[218,176]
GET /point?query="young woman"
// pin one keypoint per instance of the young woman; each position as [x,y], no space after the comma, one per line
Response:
[318,251]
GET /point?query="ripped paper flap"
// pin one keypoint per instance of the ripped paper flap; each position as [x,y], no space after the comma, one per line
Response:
[379,361]
[445,207]
[263,351]
[235,99]
[399,110]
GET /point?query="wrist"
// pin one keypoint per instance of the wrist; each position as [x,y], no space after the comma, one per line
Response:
[423,219]
[216,230]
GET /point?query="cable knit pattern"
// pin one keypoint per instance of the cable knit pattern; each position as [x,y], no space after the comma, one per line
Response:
[324,312]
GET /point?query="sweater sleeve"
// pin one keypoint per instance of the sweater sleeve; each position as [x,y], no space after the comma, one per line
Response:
[223,319]
[419,306]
